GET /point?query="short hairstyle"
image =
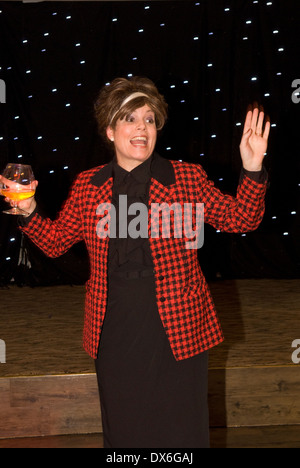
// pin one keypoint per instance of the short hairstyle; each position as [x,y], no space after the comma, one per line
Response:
[108,105]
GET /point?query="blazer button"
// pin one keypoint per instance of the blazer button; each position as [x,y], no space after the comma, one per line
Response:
[161,278]
[162,299]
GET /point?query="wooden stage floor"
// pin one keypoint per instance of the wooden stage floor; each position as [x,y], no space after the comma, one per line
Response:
[42,329]
[237,437]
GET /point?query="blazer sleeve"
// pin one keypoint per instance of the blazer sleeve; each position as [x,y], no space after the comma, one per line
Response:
[55,238]
[242,213]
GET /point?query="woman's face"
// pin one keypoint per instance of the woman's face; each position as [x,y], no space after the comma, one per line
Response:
[134,137]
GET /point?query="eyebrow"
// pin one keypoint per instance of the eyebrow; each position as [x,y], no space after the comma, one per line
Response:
[150,110]
[133,112]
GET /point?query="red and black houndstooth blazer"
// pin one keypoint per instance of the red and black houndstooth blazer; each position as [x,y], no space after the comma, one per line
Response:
[183,298]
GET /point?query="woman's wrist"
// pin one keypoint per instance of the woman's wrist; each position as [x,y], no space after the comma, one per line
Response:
[31,209]
[256,168]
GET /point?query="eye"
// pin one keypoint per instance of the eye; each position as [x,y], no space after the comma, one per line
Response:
[129,118]
[151,120]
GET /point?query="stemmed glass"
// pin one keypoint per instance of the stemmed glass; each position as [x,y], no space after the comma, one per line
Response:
[21,188]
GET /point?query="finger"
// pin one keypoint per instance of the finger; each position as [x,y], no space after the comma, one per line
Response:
[245,138]
[11,184]
[254,119]
[9,201]
[248,121]
[260,123]
[267,129]
[7,182]
[3,180]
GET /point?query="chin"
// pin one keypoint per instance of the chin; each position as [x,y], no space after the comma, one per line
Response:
[133,158]
[142,156]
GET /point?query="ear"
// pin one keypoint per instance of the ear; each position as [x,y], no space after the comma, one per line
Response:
[110,133]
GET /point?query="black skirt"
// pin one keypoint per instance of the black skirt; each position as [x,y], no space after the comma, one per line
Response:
[148,399]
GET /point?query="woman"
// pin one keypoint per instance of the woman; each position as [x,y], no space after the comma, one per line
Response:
[149,316]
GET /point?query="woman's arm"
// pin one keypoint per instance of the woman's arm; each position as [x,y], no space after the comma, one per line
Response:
[244,212]
[55,238]
[227,213]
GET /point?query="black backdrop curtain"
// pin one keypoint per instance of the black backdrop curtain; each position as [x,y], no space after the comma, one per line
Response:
[210,59]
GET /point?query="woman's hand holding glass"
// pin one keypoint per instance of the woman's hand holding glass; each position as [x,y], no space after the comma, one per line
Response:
[18,186]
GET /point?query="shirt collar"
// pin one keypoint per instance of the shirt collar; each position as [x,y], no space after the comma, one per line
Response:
[141,173]
[161,169]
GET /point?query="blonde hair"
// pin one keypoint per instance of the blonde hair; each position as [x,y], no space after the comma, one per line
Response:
[111,105]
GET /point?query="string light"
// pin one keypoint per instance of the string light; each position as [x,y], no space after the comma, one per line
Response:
[180,85]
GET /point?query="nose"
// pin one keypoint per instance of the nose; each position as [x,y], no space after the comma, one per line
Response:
[141,124]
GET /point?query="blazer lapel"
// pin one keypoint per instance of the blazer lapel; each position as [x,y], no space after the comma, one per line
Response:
[162,181]
[102,180]
[102,175]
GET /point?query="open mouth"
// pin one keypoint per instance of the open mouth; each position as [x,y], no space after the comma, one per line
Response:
[139,141]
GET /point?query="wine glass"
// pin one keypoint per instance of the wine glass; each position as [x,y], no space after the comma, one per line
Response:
[21,187]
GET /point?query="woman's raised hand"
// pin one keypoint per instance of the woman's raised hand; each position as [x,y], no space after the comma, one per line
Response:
[254,142]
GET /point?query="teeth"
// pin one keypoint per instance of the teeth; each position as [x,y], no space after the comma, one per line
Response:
[139,139]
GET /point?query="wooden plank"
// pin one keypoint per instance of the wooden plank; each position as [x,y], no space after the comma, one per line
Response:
[241,437]
[49,405]
[256,437]
[254,396]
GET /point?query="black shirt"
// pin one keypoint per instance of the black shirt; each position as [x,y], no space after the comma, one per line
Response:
[126,252]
